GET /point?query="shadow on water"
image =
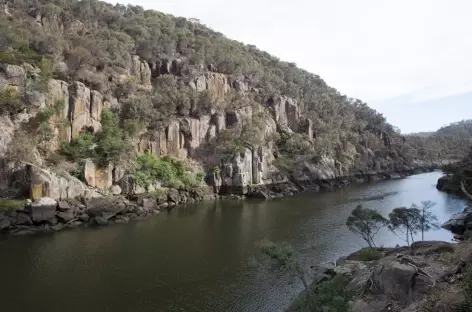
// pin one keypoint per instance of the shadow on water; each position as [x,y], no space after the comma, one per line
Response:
[198,257]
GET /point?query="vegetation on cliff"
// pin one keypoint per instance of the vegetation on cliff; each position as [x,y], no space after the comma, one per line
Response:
[136,81]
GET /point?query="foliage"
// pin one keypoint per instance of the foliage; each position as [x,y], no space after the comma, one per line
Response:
[105,146]
[405,220]
[169,171]
[110,139]
[329,296]
[366,223]
[83,146]
[369,254]
[284,259]
[428,221]
[98,50]
[467,289]
[10,102]
[11,204]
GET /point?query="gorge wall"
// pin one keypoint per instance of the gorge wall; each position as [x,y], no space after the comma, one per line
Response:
[243,125]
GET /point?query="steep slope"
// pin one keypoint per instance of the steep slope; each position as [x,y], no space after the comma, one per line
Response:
[85,79]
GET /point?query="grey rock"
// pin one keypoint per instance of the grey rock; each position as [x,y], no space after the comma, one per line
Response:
[101,221]
[148,204]
[23,219]
[5,223]
[63,206]
[84,217]
[58,227]
[74,224]
[105,207]
[43,210]
[115,189]
[163,206]
[122,219]
[64,216]
[260,195]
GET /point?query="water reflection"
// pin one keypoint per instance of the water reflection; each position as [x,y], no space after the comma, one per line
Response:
[197,257]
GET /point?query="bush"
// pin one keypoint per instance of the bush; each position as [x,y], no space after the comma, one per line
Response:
[10,102]
[11,204]
[329,296]
[169,171]
[80,148]
[369,254]
[110,140]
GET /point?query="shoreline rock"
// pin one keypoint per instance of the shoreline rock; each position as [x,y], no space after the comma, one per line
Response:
[46,215]
[401,279]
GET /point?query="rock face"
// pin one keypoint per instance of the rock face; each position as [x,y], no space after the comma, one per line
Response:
[12,76]
[460,222]
[85,109]
[141,71]
[286,112]
[101,178]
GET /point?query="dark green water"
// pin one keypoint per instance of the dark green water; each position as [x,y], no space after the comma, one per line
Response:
[199,257]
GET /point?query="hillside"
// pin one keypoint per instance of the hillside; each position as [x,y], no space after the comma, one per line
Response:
[103,93]
[451,142]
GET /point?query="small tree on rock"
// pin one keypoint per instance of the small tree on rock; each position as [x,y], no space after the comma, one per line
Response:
[366,223]
[428,221]
[405,220]
[285,260]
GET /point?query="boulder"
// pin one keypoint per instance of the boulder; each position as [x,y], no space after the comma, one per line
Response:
[260,195]
[84,217]
[63,206]
[350,268]
[115,190]
[431,247]
[148,204]
[45,183]
[5,223]
[392,278]
[459,222]
[43,210]
[23,219]
[65,217]
[104,207]
[101,220]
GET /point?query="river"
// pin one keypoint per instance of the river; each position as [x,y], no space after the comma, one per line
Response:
[201,257]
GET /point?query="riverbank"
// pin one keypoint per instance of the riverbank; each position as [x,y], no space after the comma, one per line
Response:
[424,277]
[48,215]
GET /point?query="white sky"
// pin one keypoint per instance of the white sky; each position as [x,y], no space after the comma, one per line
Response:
[396,55]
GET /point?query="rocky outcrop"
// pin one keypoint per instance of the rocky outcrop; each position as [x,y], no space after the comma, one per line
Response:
[403,279]
[85,108]
[12,76]
[286,112]
[141,71]
[98,177]
[460,222]
[216,83]
[44,183]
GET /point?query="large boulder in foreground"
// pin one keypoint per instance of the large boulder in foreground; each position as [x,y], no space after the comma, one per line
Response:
[105,207]
[43,210]
[460,222]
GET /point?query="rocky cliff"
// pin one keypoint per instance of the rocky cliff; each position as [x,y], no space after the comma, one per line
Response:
[239,115]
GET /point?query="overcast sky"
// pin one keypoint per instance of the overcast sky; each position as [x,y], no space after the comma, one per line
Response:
[411,60]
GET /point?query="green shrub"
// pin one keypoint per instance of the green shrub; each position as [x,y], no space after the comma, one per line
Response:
[169,171]
[110,140]
[80,148]
[368,254]
[329,296]
[11,204]
[10,102]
